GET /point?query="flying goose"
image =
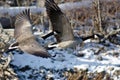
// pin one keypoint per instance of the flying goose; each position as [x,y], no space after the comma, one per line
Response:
[60,25]
[25,40]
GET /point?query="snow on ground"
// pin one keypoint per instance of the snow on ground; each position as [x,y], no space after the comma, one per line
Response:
[91,56]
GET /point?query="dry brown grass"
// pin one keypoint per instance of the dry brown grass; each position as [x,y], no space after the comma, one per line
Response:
[88,16]
[84,75]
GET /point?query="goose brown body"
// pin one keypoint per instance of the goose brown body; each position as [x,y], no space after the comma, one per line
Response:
[25,37]
[60,25]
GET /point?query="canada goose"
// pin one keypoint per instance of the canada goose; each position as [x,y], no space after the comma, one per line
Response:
[25,40]
[61,26]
